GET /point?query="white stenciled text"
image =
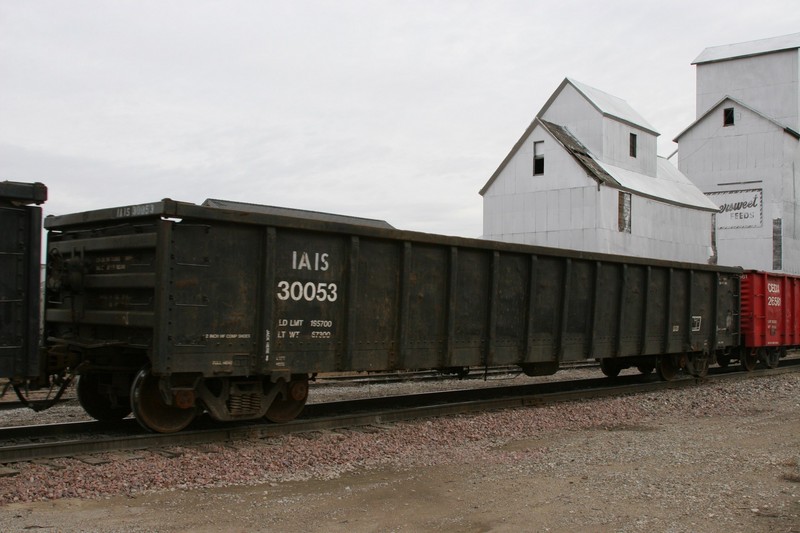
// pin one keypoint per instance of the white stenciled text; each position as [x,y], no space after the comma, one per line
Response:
[305,261]
[309,291]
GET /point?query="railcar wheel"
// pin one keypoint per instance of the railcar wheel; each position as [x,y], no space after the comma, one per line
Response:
[151,411]
[290,402]
[98,405]
[668,367]
[610,368]
[773,357]
[749,360]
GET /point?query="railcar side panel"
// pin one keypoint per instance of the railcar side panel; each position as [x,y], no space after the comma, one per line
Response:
[546,305]
[468,310]
[656,310]
[212,287]
[375,328]
[606,309]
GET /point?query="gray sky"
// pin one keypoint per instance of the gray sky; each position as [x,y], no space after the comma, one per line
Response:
[398,110]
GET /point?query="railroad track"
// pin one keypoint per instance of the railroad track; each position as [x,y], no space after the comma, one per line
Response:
[8,400]
[362,378]
[80,439]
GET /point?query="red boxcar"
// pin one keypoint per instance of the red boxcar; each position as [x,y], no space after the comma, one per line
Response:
[770,315]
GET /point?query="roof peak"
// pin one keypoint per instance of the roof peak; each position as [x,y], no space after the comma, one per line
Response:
[728,98]
[606,103]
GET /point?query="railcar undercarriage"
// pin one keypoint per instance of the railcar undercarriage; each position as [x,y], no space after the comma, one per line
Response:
[170,403]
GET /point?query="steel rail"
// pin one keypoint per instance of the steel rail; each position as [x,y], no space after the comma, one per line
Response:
[354,413]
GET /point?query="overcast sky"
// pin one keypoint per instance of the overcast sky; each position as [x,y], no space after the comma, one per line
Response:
[397,110]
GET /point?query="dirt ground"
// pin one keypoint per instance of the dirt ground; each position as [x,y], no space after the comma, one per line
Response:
[720,474]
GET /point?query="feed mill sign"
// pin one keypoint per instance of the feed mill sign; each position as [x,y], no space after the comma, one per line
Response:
[739,209]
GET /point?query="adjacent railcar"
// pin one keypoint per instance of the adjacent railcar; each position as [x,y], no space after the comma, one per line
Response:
[170,308]
[770,311]
[20,258]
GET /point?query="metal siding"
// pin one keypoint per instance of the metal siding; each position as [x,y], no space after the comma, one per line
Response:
[470,305]
[774,93]
[573,110]
[616,147]
[213,298]
[378,304]
[427,282]
[19,290]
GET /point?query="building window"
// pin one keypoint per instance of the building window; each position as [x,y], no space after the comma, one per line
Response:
[633,145]
[727,116]
[538,158]
[625,212]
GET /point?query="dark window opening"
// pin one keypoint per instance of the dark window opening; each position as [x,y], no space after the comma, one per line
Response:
[633,145]
[714,256]
[727,116]
[538,158]
[624,212]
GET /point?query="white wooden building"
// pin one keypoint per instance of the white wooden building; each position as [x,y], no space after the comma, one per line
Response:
[743,150]
[585,176]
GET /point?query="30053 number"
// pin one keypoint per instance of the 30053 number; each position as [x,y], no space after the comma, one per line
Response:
[308,291]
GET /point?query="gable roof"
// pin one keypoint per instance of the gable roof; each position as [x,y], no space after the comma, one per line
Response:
[748,49]
[607,104]
[724,99]
[669,186]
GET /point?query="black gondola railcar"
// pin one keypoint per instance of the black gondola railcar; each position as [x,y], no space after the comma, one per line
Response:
[20,261]
[171,308]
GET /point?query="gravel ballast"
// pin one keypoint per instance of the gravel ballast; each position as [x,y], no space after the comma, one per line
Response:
[715,457]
